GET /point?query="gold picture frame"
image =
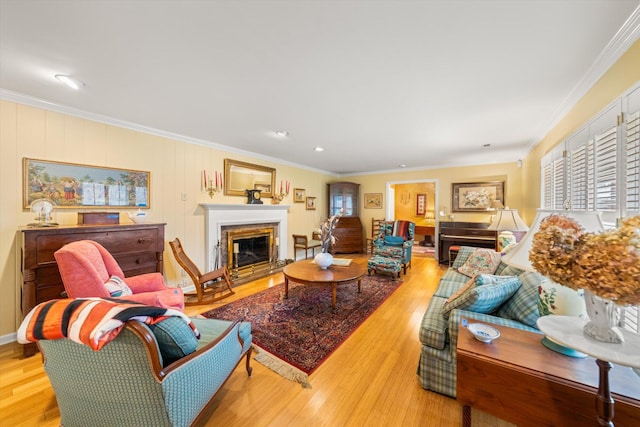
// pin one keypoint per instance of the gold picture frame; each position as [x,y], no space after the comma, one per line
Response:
[76,186]
[298,195]
[242,176]
[311,203]
[477,196]
[373,200]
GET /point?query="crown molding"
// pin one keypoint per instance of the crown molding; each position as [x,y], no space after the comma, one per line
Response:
[626,36]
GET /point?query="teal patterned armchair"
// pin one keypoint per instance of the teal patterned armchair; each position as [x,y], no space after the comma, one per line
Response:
[395,240]
[125,383]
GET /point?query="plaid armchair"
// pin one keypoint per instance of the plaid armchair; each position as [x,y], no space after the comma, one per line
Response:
[395,240]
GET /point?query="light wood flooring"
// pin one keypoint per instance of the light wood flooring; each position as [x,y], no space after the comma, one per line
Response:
[370,380]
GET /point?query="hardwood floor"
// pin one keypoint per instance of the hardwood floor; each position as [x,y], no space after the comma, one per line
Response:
[370,380]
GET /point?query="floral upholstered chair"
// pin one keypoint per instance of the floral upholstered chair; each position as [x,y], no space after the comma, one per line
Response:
[395,240]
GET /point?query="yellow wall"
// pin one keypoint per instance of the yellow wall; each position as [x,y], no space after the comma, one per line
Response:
[175,169]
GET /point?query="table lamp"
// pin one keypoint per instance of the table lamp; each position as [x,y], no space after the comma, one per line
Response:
[507,221]
[553,297]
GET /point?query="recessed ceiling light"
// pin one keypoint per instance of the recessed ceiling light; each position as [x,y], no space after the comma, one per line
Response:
[319,149]
[70,81]
[282,133]
[402,165]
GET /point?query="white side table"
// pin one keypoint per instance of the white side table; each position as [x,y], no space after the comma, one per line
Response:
[568,331]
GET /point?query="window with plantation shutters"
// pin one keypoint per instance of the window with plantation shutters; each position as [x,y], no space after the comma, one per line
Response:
[605,150]
[601,171]
[632,165]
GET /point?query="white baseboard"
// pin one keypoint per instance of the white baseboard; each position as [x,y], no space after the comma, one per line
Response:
[9,338]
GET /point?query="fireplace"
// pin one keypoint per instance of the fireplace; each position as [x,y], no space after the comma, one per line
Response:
[256,229]
[247,246]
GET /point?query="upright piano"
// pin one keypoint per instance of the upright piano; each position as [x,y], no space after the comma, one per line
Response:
[464,234]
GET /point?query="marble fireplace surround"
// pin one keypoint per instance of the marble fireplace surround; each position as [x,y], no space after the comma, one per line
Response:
[222,215]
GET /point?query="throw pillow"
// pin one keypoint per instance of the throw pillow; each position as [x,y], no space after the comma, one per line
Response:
[470,283]
[523,307]
[484,299]
[490,279]
[481,261]
[117,287]
[175,339]
[393,240]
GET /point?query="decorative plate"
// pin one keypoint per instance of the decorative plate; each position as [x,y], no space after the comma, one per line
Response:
[482,332]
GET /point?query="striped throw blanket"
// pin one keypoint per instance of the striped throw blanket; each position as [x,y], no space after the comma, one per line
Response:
[90,321]
[401,228]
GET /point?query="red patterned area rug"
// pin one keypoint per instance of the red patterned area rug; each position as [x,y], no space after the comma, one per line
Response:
[299,333]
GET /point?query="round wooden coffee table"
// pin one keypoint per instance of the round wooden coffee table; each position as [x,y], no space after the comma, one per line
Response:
[308,273]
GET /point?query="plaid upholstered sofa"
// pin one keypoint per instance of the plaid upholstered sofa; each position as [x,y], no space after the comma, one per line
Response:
[439,328]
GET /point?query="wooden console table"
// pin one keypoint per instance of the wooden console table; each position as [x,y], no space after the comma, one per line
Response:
[138,248]
[517,379]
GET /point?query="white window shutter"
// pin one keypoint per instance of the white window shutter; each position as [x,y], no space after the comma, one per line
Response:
[632,165]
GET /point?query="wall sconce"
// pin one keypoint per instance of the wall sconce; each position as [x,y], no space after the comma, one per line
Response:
[212,186]
[284,192]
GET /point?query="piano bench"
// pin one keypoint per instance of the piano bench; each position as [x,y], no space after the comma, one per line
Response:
[453,253]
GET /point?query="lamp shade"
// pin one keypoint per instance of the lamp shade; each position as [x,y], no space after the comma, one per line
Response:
[508,219]
[519,256]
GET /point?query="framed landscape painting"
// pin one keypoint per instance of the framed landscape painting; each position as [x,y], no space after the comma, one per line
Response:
[477,196]
[72,185]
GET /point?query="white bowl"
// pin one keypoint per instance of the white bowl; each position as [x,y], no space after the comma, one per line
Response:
[483,332]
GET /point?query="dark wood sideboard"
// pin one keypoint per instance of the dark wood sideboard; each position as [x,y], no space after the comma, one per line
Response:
[138,248]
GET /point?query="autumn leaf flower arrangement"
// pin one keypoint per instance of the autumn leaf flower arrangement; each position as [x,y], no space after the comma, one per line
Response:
[606,263]
[326,232]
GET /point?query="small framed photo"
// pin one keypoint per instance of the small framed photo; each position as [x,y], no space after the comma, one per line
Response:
[373,200]
[298,195]
[421,204]
[311,203]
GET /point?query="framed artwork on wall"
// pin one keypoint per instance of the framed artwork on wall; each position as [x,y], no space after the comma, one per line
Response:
[373,200]
[72,185]
[477,196]
[298,195]
[311,203]
[421,204]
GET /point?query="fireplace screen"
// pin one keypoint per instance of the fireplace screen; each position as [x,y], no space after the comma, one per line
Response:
[248,248]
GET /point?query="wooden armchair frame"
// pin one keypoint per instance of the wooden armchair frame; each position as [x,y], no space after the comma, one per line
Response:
[208,284]
[300,241]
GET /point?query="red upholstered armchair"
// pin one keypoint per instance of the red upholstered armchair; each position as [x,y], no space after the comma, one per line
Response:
[87,269]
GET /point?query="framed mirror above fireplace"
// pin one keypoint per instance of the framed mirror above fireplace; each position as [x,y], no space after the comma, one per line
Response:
[242,176]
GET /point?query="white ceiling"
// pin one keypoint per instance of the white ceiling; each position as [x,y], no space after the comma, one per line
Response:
[376,83]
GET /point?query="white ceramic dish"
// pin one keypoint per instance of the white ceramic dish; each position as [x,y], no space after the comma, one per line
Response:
[483,332]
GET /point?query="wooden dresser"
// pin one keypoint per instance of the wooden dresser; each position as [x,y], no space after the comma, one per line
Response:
[138,248]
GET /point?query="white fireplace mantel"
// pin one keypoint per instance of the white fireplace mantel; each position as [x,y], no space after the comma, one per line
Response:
[219,215]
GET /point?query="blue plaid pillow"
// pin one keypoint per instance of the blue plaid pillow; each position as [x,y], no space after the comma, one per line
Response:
[485,298]
[523,307]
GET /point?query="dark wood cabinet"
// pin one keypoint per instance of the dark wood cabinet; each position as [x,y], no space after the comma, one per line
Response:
[138,248]
[344,200]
